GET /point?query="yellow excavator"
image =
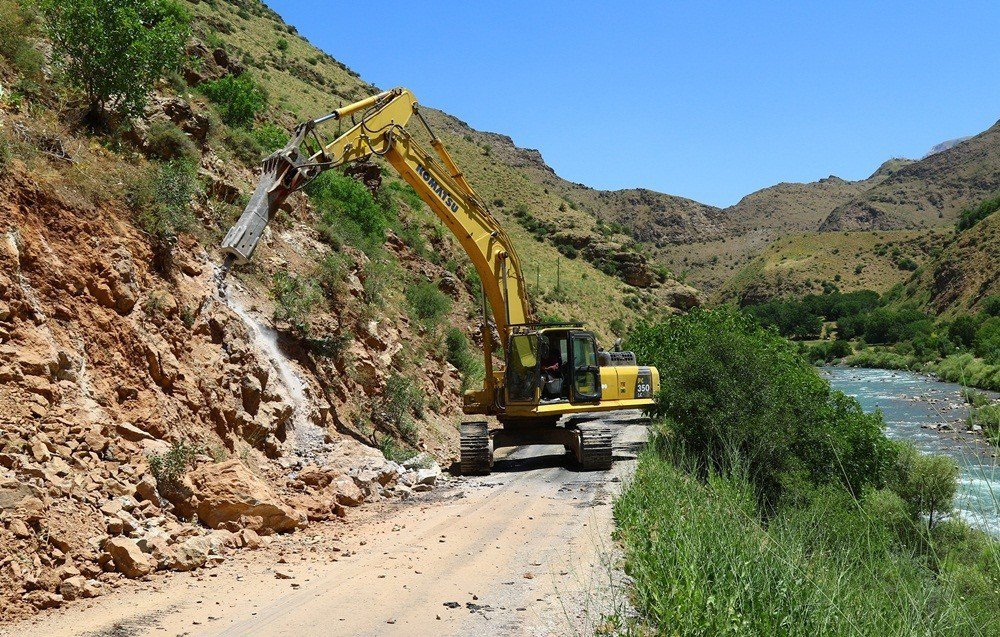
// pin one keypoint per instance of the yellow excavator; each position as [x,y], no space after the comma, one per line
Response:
[548,370]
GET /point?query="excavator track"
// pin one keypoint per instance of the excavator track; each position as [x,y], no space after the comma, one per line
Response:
[476,457]
[596,452]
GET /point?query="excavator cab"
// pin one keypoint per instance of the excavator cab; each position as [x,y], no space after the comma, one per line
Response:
[552,365]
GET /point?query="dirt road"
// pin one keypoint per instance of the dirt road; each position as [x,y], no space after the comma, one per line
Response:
[521,552]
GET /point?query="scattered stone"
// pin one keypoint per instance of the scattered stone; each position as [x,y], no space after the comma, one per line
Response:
[428,476]
[43,599]
[19,528]
[189,555]
[73,588]
[283,575]
[146,489]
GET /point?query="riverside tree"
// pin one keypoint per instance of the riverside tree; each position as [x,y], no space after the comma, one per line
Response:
[115,50]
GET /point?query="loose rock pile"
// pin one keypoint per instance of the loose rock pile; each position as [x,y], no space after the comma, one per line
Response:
[80,510]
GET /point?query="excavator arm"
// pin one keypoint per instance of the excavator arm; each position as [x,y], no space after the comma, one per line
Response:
[436,178]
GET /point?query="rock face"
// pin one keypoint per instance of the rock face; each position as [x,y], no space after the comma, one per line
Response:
[228,492]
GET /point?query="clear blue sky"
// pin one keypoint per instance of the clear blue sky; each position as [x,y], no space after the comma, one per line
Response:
[708,100]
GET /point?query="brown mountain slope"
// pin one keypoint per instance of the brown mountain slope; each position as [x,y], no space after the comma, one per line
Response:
[928,192]
[966,272]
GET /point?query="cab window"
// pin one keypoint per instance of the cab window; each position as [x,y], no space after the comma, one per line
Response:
[522,368]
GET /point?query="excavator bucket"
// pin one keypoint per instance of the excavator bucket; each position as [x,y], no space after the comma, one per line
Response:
[242,238]
[281,174]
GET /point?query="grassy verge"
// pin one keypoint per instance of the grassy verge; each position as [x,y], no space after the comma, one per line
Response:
[768,504]
[704,563]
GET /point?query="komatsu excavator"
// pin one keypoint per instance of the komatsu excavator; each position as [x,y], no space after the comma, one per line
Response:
[548,370]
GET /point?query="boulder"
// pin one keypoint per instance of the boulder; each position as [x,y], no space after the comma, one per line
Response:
[130,432]
[189,555]
[427,476]
[228,491]
[146,489]
[317,508]
[43,599]
[681,296]
[317,477]
[19,528]
[347,492]
[128,558]
[74,588]
[14,493]
[157,548]
[248,538]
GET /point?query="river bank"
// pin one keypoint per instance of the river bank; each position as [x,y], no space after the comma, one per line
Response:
[964,368]
[932,414]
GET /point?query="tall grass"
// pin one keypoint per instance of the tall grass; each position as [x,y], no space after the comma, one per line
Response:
[704,563]
[970,371]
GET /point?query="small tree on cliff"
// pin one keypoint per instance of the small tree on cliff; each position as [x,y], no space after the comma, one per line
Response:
[115,50]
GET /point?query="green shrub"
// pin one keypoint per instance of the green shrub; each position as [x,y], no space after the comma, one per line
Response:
[392,451]
[427,301]
[927,484]
[162,204]
[377,275]
[987,417]
[348,212]
[244,146]
[962,331]
[269,137]
[166,141]
[701,562]
[239,98]
[987,343]
[971,216]
[732,389]
[617,327]
[116,50]
[795,320]
[294,299]
[969,370]
[330,276]
[170,467]
[460,354]
[406,192]
[281,44]
[402,400]
[19,26]
[991,305]
[6,153]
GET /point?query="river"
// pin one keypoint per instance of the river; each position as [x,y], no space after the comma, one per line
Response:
[909,402]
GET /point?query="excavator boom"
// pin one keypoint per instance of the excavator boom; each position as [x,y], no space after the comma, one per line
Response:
[381,131]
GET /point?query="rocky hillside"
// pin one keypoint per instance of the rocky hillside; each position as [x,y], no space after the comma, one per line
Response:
[811,263]
[155,416]
[929,192]
[966,272]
